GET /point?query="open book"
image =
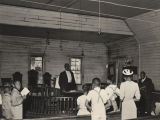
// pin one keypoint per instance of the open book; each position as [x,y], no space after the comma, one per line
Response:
[25,91]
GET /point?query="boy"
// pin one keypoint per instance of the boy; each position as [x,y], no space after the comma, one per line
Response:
[81,102]
[6,103]
[113,91]
[97,97]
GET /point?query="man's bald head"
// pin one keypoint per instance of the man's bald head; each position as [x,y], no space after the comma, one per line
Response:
[67,66]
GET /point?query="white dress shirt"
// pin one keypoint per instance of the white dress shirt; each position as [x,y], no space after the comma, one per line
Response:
[69,76]
[144,79]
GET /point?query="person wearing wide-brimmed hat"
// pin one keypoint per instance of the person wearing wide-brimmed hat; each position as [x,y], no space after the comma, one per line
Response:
[129,93]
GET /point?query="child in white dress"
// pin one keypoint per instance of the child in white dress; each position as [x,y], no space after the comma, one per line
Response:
[157,109]
[6,103]
[98,98]
[17,101]
[81,102]
[129,93]
[113,91]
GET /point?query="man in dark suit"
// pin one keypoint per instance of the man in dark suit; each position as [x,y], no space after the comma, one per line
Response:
[146,88]
[66,79]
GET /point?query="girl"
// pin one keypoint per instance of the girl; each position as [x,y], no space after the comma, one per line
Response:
[114,91]
[6,103]
[81,102]
[129,93]
[16,101]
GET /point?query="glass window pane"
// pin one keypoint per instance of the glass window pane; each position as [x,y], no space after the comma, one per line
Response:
[76,69]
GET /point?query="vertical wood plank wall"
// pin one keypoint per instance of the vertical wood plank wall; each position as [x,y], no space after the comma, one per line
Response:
[148,34]
[123,47]
[16,51]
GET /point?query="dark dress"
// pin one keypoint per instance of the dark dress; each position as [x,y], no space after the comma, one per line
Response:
[146,89]
[63,82]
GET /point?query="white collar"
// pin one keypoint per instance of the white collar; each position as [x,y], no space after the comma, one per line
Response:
[97,88]
[144,79]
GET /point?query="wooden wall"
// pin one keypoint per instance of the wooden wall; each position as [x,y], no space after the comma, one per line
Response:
[49,19]
[119,50]
[147,31]
[16,51]
[124,47]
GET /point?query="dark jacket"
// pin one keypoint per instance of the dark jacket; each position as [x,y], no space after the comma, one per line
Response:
[146,88]
[63,81]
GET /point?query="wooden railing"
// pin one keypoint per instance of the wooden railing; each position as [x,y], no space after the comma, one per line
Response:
[46,101]
[50,106]
[44,91]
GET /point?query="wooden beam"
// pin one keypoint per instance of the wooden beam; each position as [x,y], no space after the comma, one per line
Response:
[50,19]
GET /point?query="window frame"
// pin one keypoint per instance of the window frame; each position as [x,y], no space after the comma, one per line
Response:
[38,55]
[42,61]
[81,71]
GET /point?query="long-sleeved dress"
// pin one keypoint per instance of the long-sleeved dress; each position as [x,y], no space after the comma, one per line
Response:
[16,102]
[82,107]
[6,106]
[129,90]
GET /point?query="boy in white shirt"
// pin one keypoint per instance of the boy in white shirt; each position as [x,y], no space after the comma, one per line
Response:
[113,91]
[98,98]
[81,102]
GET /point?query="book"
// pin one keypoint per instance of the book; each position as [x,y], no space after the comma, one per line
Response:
[25,91]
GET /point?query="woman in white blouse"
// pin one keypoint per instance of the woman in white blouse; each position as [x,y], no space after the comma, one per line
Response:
[129,93]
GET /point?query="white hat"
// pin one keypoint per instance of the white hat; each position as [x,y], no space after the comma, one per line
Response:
[127,72]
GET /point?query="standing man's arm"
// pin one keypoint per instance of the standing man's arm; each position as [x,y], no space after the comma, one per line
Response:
[61,81]
[150,86]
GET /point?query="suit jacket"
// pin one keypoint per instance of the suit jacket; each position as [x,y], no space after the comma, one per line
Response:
[63,81]
[146,88]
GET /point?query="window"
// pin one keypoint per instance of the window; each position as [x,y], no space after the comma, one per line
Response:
[37,64]
[76,69]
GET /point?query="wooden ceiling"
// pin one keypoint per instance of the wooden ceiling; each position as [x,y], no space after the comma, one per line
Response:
[90,5]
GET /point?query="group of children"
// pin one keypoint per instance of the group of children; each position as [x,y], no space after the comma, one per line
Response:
[97,100]
[12,102]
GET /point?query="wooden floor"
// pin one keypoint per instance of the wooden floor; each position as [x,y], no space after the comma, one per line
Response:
[110,116]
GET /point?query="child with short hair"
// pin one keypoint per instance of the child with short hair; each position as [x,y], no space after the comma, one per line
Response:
[6,103]
[98,98]
[114,91]
[17,101]
[81,102]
